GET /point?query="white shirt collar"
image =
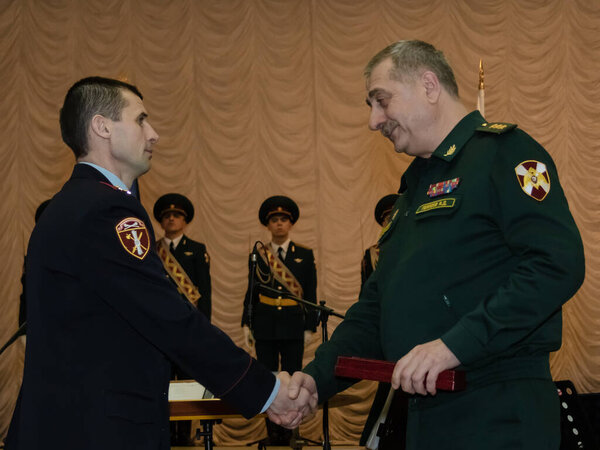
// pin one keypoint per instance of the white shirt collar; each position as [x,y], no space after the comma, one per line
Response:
[174,241]
[284,246]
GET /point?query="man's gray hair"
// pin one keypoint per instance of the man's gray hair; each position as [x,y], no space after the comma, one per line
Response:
[411,58]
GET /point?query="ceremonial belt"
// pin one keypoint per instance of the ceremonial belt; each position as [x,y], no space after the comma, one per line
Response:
[177,274]
[374,254]
[280,272]
[276,301]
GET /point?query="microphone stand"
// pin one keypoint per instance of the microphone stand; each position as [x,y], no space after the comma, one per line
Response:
[323,313]
[253,262]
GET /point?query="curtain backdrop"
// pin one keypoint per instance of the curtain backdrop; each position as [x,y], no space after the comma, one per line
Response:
[253,98]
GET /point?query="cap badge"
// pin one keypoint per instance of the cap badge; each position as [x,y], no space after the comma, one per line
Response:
[443,187]
[134,237]
[534,179]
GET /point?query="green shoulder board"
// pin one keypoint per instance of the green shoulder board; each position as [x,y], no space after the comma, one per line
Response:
[496,127]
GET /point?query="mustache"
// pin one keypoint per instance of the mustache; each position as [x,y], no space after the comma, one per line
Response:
[388,127]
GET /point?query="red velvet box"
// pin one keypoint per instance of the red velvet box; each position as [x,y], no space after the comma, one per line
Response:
[372,369]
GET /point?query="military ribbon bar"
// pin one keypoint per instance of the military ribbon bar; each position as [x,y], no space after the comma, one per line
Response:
[443,187]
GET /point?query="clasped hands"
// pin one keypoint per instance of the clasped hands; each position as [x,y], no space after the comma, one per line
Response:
[297,399]
[416,372]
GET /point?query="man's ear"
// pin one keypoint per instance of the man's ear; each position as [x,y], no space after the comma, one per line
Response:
[101,126]
[432,86]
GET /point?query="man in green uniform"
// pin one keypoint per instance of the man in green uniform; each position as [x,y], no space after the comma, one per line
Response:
[479,257]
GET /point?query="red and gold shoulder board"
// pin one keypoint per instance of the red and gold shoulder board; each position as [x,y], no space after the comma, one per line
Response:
[134,237]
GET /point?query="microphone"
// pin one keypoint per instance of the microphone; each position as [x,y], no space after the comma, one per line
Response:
[253,266]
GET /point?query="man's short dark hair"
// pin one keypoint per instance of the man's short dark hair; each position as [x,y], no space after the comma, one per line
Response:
[85,99]
[410,58]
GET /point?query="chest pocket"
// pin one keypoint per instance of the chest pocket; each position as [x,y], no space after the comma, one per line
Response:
[444,206]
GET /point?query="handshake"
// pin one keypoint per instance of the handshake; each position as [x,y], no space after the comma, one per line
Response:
[297,399]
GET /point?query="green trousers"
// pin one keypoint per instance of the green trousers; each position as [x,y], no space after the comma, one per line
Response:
[512,415]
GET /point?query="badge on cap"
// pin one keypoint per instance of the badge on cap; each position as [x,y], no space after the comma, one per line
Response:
[534,179]
[134,237]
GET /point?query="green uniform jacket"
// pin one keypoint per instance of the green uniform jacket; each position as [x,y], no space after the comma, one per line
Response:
[484,266]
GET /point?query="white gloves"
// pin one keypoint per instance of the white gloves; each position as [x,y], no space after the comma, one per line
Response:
[248,336]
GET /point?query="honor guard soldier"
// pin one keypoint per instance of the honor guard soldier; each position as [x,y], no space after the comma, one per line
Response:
[188,266]
[277,325]
[186,261]
[382,216]
[480,254]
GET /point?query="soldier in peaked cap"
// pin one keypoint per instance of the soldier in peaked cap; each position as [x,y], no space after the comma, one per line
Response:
[277,325]
[382,216]
[188,265]
[174,212]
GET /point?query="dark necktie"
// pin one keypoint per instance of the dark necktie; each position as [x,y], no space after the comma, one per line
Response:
[280,253]
[172,247]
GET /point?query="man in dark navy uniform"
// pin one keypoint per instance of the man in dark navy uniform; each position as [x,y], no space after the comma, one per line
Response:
[275,323]
[104,323]
[479,256]
[188,266]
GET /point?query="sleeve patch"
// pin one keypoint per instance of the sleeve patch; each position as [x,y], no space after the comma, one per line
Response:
[534,179]
[133,236]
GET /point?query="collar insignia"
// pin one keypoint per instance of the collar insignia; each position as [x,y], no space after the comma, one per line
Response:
[134,237]
[443,187]
[534,179]
[451,150]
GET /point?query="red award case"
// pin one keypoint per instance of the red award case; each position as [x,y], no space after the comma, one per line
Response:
[372,369]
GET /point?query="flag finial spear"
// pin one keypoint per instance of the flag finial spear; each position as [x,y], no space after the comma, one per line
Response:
[480,74]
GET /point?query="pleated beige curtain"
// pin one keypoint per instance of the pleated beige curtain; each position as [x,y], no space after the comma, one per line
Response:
[253,98]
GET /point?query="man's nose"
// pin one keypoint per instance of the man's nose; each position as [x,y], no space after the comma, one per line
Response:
[153,135]
[376,119]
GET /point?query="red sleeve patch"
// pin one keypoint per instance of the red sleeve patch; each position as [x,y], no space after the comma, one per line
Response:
[534,179]
[134,237]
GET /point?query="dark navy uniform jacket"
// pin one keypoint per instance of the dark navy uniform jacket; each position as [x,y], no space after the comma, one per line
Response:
[103,326]
[289,322]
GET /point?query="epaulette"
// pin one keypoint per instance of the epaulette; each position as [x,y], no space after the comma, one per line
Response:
[302,246]
[496,127]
